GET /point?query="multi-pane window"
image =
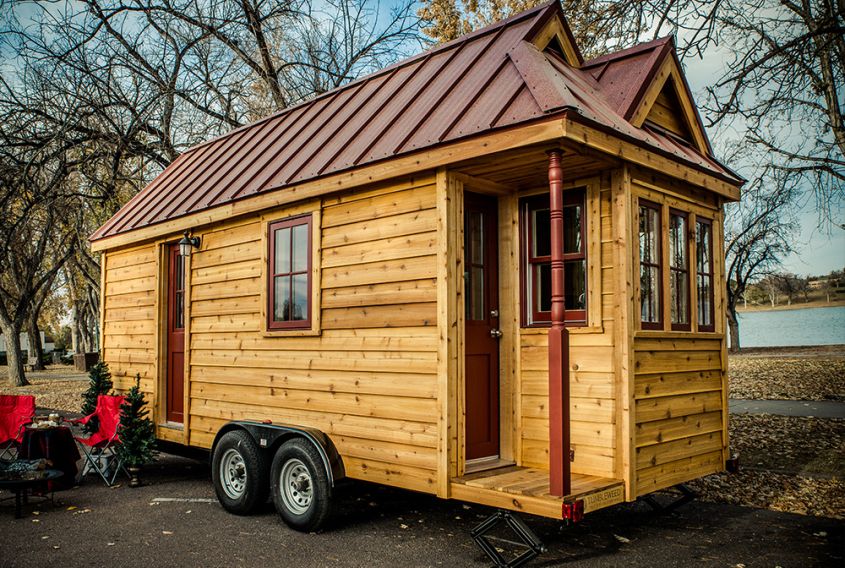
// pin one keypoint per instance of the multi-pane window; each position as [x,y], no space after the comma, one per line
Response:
[679,271]
[704,273]
[537,241]
[289,305]
[650,266]
[178,270]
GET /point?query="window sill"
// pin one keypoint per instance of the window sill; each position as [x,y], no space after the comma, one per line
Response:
[677,334]
[290,332]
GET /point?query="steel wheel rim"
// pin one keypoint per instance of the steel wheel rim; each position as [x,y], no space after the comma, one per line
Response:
[233,474]
[297,488]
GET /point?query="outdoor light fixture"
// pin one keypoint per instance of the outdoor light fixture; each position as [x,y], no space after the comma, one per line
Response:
[187,243]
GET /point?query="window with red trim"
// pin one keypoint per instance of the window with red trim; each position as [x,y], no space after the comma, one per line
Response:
[679,286]
[289,272]
[651,312]
[704,273]
[537,260]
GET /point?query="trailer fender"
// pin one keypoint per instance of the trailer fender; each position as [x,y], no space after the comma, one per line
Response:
[270,436]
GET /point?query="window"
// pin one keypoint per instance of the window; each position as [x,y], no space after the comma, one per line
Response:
[650,269]
[679,271]
[704,273]
[537,259]
[289,286]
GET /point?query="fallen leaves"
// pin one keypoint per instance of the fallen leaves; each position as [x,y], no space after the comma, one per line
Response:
[783,378]
[789,464]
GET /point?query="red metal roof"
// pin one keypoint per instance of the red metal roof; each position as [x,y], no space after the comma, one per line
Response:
[489,79]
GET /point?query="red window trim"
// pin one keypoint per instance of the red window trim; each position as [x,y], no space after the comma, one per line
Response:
[678,213]
[530,317]
[659,264]
[709,223]
[271,274]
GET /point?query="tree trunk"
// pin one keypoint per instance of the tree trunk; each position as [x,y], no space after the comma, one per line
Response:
[14,355]
[36,348]
[733,329]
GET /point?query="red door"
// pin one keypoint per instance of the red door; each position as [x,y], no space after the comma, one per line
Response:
[482,323]
[175,335]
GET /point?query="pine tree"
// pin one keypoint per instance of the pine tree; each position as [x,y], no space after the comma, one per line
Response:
[100,383]
[136,431]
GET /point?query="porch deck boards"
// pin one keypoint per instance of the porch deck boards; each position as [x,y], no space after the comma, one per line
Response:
[527,489]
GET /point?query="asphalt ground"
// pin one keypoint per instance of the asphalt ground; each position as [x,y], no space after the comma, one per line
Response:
[813,408]
[174,520]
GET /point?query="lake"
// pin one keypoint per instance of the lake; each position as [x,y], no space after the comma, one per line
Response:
[805,326]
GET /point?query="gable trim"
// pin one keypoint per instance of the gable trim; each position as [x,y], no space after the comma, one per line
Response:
[553,26]
[638,112]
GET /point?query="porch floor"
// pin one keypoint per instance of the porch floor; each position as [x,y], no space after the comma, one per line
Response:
[527,490]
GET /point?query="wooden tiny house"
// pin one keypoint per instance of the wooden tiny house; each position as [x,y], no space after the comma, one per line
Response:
[387,263]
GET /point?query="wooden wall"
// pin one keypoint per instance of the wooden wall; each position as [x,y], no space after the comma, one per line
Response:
[592,384]
[129,316]
[369,379]
[678,410]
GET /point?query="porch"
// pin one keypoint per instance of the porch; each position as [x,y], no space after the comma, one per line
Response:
[526,490]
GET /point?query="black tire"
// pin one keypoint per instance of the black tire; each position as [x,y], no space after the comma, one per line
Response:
[306,518]
[249,491]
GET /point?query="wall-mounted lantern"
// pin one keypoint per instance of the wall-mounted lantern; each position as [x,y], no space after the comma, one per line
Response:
[187,243]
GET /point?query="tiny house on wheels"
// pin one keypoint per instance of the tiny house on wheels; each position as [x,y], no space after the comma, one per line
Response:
[492,272]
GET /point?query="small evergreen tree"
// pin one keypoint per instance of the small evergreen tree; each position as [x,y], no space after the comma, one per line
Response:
[100,383]
[136,431]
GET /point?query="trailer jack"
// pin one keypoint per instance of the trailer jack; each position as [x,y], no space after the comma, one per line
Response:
[685,497]
[527,537]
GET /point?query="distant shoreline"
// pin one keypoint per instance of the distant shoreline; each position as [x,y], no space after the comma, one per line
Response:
[800,351]
[795,306]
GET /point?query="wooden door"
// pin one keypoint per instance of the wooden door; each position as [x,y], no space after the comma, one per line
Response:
[482,323]
[175,335]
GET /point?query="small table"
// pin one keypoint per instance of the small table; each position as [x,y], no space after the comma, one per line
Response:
[19,483]
[54,443]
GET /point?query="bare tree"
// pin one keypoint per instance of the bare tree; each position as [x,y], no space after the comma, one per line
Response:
[119,88]
[758,233]
[784,86]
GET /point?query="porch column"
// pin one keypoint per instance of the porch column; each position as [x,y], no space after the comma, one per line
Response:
[559,474]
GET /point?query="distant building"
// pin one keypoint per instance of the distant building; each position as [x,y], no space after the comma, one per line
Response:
[46,342]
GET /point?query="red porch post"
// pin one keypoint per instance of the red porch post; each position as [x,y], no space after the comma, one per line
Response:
[559,474]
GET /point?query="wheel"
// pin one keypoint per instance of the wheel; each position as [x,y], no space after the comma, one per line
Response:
[239,471]
[300,486]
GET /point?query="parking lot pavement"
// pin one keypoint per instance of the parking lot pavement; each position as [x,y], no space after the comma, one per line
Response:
[174,520]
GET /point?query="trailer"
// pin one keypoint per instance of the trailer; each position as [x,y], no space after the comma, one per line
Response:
[493,272]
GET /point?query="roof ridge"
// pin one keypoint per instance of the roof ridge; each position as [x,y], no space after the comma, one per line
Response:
[390,68]
[627,52]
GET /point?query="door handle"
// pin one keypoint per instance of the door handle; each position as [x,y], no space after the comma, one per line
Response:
[496,333]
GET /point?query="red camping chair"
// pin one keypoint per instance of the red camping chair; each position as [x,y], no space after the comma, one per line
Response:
[99,447]
[16,411]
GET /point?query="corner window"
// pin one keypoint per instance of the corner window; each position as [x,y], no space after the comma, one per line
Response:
[650,269]
[679,287]
[704,273]
[537,259]
[289,272]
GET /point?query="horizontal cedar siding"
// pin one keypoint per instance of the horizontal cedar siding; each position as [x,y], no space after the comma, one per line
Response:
[592,386]
[129,316]
[369,380]
[678,410]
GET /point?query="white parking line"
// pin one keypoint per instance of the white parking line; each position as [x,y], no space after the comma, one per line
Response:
[183,500]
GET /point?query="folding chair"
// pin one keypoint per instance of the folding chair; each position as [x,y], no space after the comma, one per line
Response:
[99,447]
[16,411]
